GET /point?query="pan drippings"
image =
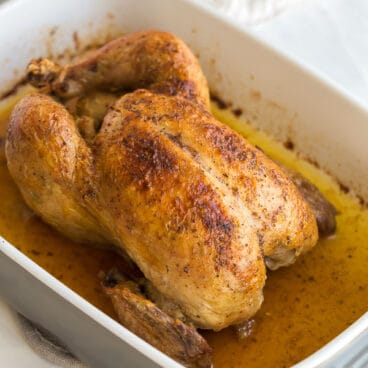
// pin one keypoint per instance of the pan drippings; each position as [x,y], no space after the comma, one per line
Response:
[305,305]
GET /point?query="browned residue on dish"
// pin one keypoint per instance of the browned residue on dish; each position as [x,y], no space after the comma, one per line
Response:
[219,101]
[76,41]
[343,187]
[237,112]
[289,144]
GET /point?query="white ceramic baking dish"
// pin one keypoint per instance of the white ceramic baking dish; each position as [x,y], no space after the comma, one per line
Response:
[278,96]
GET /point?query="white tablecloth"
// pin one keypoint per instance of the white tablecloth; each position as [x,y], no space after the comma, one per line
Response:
[331,36]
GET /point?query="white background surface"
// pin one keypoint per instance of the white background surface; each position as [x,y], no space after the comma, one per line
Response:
[330,36]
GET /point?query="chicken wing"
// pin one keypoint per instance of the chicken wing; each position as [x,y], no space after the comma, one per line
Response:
[323,210]
[143,317]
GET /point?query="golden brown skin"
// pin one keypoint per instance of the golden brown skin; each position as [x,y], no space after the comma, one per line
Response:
[190,201]
[166,333]
[283,221]
[155,60]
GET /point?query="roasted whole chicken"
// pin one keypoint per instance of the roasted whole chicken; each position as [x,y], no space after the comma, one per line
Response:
[120,149]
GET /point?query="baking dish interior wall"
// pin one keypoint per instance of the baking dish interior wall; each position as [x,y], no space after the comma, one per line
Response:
[276,95]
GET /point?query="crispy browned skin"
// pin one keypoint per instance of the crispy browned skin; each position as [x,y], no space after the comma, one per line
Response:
[193,204]
[157,61]
[144,318]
